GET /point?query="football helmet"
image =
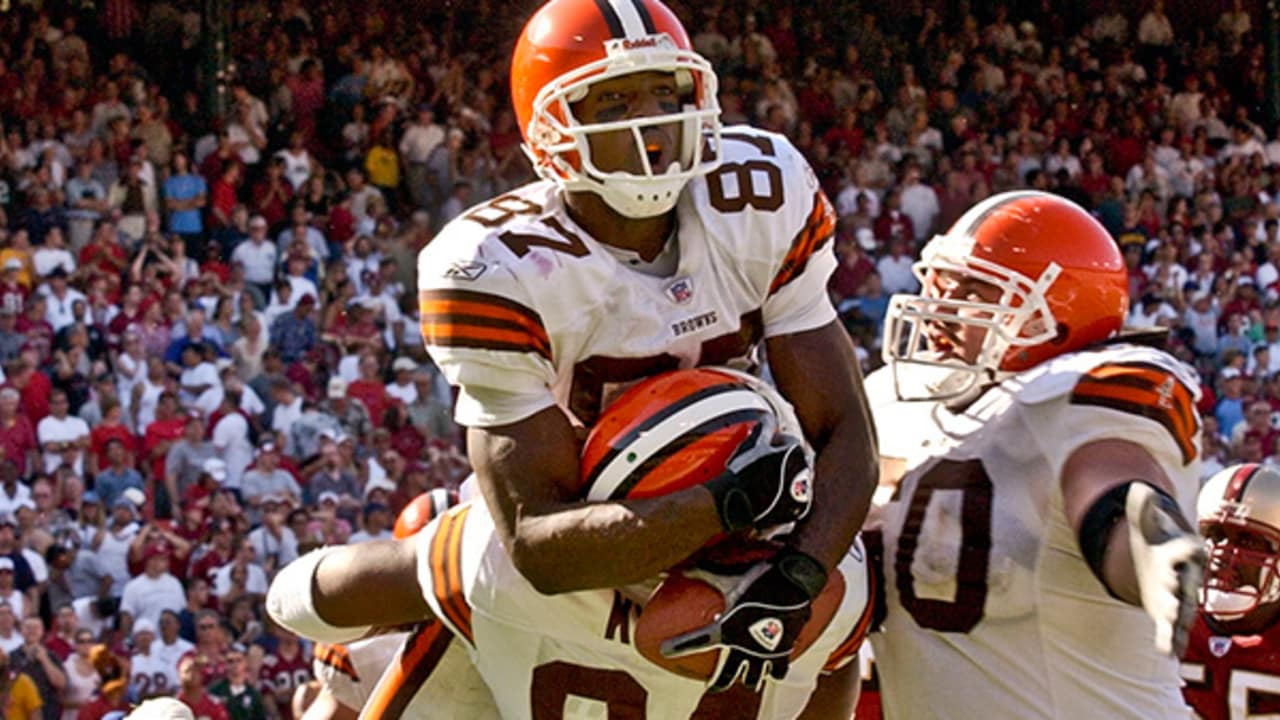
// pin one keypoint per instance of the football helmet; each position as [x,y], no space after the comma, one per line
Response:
[422,510]
[569,44]
[1062,284]
[1239,511]
[677,430]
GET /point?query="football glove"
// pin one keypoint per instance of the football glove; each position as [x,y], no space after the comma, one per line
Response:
[766,483]
[764,613]
[1168,559]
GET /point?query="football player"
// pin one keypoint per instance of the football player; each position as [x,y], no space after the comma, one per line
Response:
[388,675]
[1038,559]
[656,239]
[1231,667]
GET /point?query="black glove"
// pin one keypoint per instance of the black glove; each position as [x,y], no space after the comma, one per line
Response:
[766,483]
[764,614]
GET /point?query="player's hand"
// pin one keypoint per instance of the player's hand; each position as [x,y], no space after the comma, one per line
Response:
[1168,559]
[765,612]
[768,481]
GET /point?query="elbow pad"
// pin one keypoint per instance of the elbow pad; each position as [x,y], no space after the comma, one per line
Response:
[291,605]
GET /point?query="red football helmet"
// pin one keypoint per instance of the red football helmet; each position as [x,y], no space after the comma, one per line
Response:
[1062,280]
[677,430]
[569,44]
[1239,510]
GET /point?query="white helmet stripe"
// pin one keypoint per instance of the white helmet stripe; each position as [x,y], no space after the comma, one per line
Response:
[653,440]
[632,21]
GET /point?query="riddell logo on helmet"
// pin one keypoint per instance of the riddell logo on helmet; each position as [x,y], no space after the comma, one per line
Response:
[648,42]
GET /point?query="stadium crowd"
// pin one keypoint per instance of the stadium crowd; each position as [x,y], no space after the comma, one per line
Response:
[208,324]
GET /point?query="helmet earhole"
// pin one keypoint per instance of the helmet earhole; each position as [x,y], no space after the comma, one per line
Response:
[1063,332]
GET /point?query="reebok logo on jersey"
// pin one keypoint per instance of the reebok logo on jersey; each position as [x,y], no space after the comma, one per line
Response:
[767,632]
[801,487]
[465,270]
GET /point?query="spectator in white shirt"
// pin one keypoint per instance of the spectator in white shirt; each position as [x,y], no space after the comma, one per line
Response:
[895,268]
[63,437]
[402,388]
[376,526]
[155,590]
[257,255]
[920,203]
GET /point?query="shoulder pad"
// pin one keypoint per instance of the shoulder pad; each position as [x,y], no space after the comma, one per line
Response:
[1060,376]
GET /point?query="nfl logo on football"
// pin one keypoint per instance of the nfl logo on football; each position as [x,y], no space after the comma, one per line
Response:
[681,290]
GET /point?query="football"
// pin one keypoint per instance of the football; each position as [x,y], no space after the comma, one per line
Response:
[684,602]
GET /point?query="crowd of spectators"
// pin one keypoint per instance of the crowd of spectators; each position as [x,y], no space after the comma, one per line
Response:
[208,330]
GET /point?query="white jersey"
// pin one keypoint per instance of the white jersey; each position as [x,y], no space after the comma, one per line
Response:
[988,596]
[152,675]
[571,655]
[418,674]
[523,309]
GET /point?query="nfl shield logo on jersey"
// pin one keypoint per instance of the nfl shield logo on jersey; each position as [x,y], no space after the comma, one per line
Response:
[681,290]
[1219,645]
[767,632]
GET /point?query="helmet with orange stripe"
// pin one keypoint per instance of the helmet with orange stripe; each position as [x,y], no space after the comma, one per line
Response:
[1239,510]
[677,430]
[1021,278]
[569,45]
[422,510]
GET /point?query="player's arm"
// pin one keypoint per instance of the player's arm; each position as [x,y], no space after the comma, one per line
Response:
[528,472]
[338,593]
[818,372]
[1137,541]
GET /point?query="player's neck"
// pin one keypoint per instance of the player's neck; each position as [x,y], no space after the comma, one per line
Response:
[644,236]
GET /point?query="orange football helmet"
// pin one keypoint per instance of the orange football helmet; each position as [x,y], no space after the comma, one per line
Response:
[1239,510]
[569,44]
[422,510]
[1062,280]
[677,430]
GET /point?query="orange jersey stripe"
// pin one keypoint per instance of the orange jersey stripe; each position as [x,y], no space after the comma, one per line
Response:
[849,648]
[336,657]
[819,226]
[1147,391]
[411,668]
[449,314]
[482,337]
[446,571]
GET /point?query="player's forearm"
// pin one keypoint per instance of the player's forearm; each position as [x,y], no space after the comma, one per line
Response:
[355,587]
[846,471]
[603,545]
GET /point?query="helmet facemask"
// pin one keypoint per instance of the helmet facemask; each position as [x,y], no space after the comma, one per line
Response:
[1021,317]
[558,142]
[1239,579]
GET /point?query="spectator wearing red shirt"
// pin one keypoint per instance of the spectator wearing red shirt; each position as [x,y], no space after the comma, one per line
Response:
[111,428]
[33,385]
[271,194]
[222,195]
[17,433]
[192,693]
[370,389]
[158,437]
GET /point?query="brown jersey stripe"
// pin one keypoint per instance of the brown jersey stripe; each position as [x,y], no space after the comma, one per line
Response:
[849,648]
[446,571]
[413,665]
[1143,405]
[476,304]
[485,338]
[336,657]
[1178,404]
[819,226]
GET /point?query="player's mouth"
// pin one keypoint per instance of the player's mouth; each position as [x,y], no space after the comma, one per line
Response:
[657,149]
